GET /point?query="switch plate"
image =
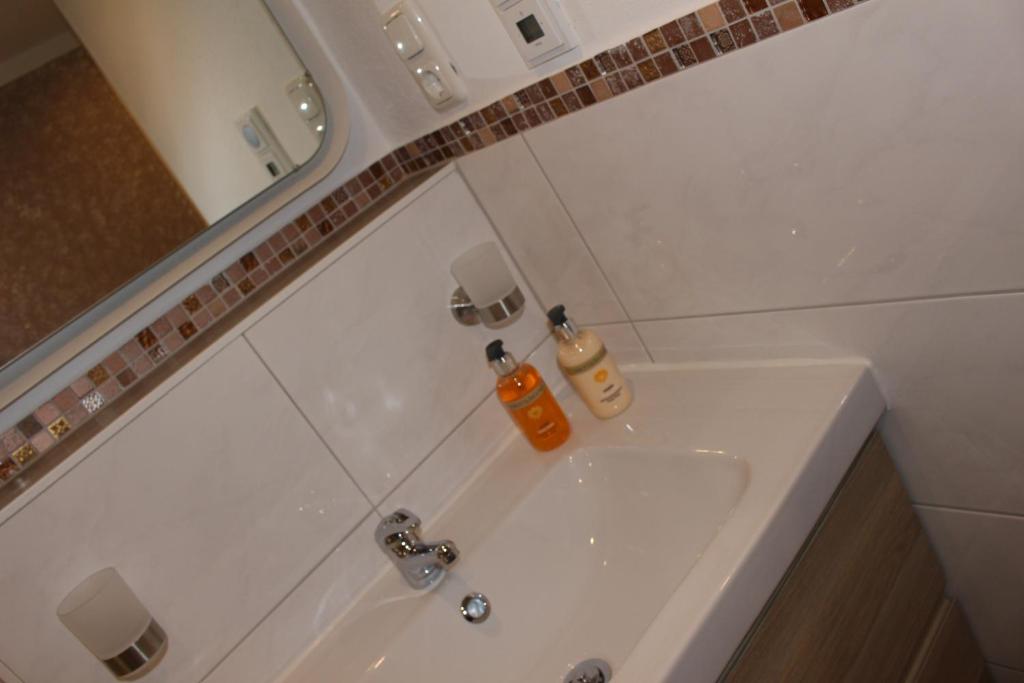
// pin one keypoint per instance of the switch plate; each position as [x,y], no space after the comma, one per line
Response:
[415,42]
[539,28]
[404,37]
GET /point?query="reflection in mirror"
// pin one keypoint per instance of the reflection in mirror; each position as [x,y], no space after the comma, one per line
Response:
[127,128]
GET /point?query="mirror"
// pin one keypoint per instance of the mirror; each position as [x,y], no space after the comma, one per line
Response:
[127,129]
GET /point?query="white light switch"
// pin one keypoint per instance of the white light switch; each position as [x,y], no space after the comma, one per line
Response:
[424,56]
[404,37]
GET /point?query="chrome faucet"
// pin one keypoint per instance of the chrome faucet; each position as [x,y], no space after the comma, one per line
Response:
[422,564]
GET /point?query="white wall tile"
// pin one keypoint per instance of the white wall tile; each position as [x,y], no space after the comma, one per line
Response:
[1001,674]
[880,167]
[213,504]
[511,187]
[984,559]
[307,613]
[623,342]
[951,371]
[369,351]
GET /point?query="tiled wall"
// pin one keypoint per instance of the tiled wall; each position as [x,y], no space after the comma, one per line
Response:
[239,499]
[679,45]
[851,203]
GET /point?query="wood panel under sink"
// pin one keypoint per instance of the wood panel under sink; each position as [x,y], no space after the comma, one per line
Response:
[864,600]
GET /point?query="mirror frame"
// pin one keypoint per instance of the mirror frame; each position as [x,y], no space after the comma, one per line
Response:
[83,342]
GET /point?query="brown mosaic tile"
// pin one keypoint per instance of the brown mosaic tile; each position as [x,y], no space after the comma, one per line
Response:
[685,57]
[586,96]
[561,82]
[114,363]
[666,63]
[743,33]
[249,261]
[813,9]
[558,106]
[632,78]
[77,416]
[649,70]
[672,34]
[7,469]
[620,54]
[98,375]
[190,304]
[146,338]
[42,442]
[142,365]
[232,297]
[111,389]
[765,25]
[159,327]
[81,386]
[545,111]
[838,5]
[589,69]
[29,426]
[637,49]
[510,104]
[174,341]
[65,400]
[655,41]
[572,101]
[722,41]
[206,294]
[218,307]
[548,88]
[788,16]
[126,377]
[303,223]
[703,49]
[246,286]
[605,63]
[601,90]
[576,76]
[712,18]
[732,10]
[11,440]
[691,27]
[753,6]
[186,330]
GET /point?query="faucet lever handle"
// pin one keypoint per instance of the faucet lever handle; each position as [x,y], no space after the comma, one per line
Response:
[397,527]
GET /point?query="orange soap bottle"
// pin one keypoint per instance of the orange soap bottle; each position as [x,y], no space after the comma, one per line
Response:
[528,400]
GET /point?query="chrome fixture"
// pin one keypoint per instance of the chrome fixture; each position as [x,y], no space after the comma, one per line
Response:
[475,608]
[590,671]
[498,314]
[422,564]
[487,291]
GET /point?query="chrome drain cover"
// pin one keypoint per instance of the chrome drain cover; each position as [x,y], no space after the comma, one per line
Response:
[475,608]
[590,671]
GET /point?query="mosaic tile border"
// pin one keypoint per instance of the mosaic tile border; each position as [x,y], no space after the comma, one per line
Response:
[679,45]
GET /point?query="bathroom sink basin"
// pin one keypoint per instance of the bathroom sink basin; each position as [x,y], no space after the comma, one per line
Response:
[650,541]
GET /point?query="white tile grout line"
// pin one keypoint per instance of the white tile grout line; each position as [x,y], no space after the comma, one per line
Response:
[586,245]
[305,418]
[290,592]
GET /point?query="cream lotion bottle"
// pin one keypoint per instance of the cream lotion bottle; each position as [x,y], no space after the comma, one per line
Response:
[590,369]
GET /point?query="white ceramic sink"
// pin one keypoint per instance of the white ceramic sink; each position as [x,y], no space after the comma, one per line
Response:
[651,540]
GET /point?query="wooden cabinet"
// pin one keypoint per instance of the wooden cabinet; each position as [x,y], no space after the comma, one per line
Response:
[864,600]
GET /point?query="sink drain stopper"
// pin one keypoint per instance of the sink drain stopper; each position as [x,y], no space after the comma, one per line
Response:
[475,608]
[590,671]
